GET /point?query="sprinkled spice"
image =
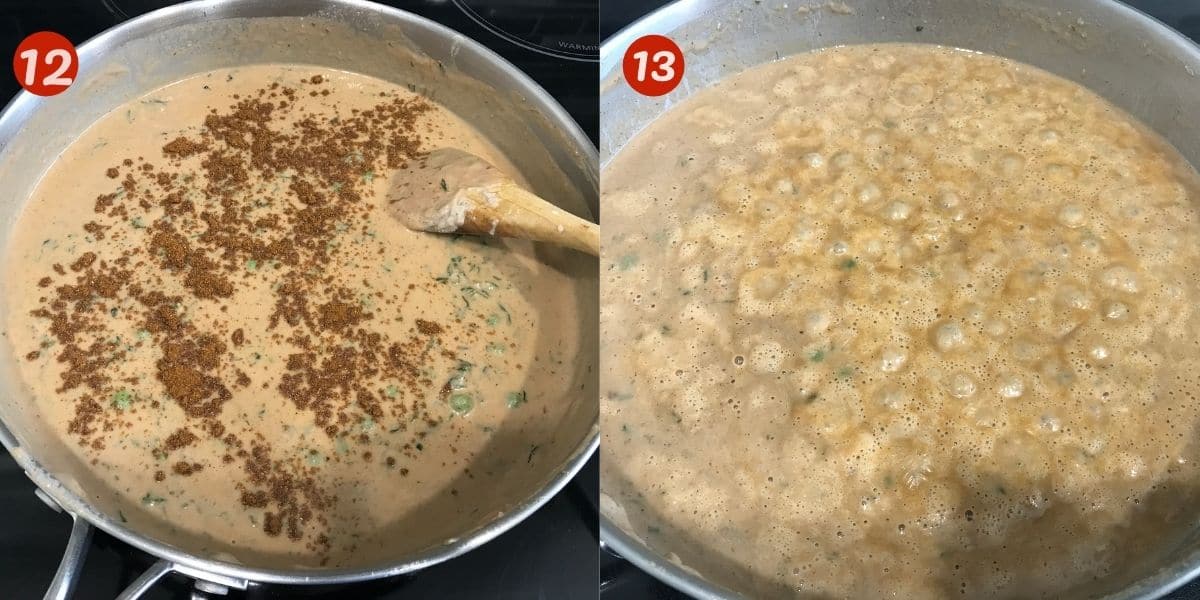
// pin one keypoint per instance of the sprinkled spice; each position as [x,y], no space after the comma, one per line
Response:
[428,327]
[208,232]
[237,333]
[185,468]
[180,439]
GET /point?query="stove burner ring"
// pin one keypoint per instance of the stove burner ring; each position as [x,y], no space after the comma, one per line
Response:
[567,50]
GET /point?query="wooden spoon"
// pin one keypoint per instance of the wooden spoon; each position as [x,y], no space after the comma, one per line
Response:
[451,191]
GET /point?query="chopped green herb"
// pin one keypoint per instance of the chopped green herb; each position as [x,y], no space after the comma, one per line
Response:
[817,356]
[494,348]
[475,290]
[848,264]
[342,446]
[142,334]
[369,176]
[152,500]
[392,391]
[665,329]
[252,265]
[121,514]
[314,458]
[493,319]
[453,270]
[507,315]
[845,372]
[113,311]
[461,403]
[516,399]
[122,399]
[137,223]
[458,381]
[443,184]
[614,395]
[627,262]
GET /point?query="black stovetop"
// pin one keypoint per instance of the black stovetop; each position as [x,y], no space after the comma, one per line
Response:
[619,580]
[552,554]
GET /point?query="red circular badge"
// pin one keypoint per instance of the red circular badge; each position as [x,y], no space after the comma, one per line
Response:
[45,63]
[653,65]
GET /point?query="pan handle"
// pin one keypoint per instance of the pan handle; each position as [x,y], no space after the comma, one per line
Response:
[205,585]
[67,576]
[72,561]
[143,583]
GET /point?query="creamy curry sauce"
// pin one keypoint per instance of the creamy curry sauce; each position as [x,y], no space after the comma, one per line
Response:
[900,320]
[410,352]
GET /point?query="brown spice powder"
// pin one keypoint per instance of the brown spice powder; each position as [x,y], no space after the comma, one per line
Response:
[202,245]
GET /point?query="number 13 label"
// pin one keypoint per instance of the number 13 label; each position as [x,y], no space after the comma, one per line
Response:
[653,65]
[45,63]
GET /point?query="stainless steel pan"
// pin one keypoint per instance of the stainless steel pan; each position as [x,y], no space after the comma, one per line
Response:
[1132,60]
[169,44]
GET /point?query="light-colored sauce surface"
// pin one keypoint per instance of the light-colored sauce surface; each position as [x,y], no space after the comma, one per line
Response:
[900,321]
[474,339]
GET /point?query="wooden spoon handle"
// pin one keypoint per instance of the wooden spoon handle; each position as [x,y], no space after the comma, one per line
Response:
[508,210]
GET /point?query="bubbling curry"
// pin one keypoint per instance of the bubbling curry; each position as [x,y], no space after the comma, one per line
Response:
[900,320]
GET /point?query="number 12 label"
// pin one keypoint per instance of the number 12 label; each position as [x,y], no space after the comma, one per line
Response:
[653,65]
[45,63]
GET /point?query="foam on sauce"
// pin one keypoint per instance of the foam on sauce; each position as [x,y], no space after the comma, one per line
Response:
[363,370]
[900,320]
